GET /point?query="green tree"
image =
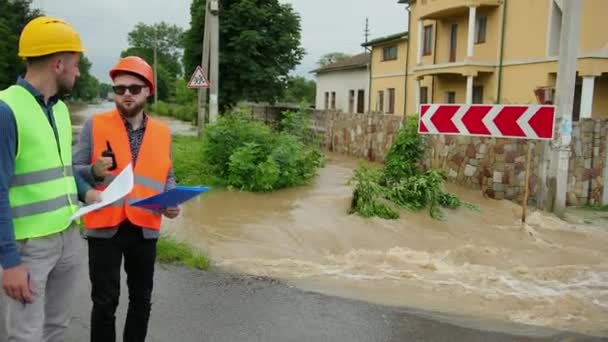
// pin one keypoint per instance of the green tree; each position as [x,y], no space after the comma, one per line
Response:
[259,46]
[87,86]
[104,90]
[168,41]
[300,89]
[332,58]
[14,14]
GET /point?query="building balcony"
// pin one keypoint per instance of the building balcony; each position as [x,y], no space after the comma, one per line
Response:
[439,9]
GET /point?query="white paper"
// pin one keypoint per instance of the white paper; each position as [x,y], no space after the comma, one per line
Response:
[120,187]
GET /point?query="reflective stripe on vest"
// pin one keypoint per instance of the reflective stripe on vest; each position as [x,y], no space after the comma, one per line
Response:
[42,192]
[150,171]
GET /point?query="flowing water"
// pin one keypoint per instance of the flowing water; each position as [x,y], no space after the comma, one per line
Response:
[482,265]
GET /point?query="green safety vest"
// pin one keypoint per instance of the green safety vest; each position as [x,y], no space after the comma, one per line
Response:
[42,193]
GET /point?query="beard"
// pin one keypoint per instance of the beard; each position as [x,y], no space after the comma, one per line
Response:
[130,110]
[64,87]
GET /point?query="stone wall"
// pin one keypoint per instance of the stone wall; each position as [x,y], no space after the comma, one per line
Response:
[497,166]
[368,136]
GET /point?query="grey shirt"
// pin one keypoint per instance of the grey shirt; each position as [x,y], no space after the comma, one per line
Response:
[82,158]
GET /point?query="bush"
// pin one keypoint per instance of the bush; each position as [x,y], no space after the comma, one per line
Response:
[185,112]
[188,164]
[402,182]
[250,156]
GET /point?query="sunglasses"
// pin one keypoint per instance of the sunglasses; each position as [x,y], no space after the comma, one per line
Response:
[134,89]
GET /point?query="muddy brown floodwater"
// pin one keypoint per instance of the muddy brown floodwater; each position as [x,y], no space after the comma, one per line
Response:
[480,265]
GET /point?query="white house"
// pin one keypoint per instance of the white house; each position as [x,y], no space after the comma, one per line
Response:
[344,85]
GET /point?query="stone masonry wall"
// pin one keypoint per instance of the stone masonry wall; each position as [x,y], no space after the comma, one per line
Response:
[497,166]
[368,136]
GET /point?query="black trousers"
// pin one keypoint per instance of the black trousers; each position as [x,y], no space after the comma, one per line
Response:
[105,258]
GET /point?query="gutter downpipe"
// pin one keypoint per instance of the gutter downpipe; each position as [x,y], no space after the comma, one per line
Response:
[502,52]
[407,59]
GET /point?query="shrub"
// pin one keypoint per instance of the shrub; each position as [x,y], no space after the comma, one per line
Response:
[251,157]
[402,182]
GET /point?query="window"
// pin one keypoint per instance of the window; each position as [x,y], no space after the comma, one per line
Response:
[351,101]
[480,30]
[424,95]
[478,94]
[380,104]
[453,42]
[450,97]
[428,40]
[361,101]
[391,100]
[333,100]
[326,100]
[389,53]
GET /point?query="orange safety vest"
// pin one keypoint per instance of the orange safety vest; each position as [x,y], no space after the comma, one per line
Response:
[150,171]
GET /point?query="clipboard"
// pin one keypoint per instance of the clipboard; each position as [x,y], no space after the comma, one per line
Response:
[171,198]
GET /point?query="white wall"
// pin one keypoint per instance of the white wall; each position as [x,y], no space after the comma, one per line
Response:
[342,82]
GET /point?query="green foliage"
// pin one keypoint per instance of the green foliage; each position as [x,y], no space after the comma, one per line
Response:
[104,90]
[251,157]
[171,251]
[402,182]
[260,45]
[403,159]
[297,123]
[14,15]
[188,165]
[368,198]
[87,86]
[299,89]
[168,40]
[186,112]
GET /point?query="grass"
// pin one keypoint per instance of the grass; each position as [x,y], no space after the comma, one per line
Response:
[173,252]
[597,207]
[188,163]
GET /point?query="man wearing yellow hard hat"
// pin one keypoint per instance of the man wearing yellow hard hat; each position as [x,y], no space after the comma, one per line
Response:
[39,246]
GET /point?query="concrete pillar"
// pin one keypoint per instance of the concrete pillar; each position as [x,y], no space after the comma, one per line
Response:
[469,89]
[587,96]
[420,41]
[472,23]
[418,85]
[566,79]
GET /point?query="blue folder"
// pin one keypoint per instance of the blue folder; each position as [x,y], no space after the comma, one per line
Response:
[171,198]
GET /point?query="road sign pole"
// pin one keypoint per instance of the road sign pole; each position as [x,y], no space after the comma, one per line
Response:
[527,183]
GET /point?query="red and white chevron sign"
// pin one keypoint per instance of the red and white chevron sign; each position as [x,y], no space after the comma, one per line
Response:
[501,121]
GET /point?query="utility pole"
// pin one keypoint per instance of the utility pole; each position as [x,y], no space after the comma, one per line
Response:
[566,79]
[210,65]
[202,93]
[366,33]
[155,66]
[214,60]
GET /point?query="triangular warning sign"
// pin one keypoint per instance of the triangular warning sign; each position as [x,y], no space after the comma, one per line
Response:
[198,79]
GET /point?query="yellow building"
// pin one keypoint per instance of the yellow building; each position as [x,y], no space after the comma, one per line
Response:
[493,51]
[388,86]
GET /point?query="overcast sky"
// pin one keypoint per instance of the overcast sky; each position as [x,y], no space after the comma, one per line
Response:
[327,25]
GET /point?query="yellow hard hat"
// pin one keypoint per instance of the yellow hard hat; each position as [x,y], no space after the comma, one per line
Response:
[47,35]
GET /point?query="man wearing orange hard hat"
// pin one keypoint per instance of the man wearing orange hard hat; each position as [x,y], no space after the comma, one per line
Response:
[108,143]
[39,245]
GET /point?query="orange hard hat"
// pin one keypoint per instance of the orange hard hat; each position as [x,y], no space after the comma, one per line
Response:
[135,65]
